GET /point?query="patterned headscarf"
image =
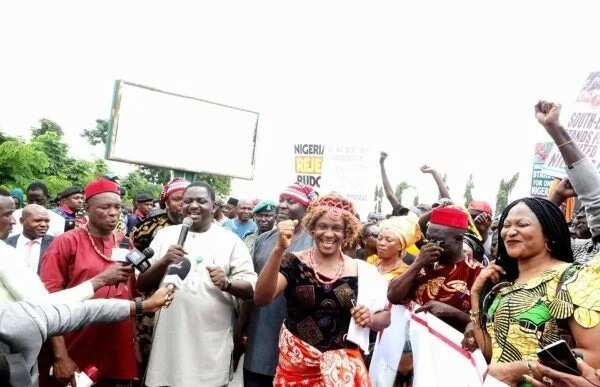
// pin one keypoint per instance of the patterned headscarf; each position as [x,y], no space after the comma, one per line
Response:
[300,193]
[176,184]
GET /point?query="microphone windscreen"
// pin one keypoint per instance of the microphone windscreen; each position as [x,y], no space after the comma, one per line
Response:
[187,222]
[148,252]
[176,273]
[180,269]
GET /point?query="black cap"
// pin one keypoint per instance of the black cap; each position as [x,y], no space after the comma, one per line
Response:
[70,191]
[143,197]
[233,201]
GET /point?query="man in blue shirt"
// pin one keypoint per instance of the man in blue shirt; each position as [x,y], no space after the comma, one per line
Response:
[243,224]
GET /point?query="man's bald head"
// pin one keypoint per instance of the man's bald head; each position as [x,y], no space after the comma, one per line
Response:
[33,210]
[7,207]
[35,220]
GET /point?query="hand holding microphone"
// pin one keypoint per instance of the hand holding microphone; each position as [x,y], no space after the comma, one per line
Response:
[176,252]
[160,298]
[176,273]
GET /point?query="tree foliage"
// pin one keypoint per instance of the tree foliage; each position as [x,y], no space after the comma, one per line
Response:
[46,126]
[506,187]
[44,158]
[21,163]
[99,134]
[134,183]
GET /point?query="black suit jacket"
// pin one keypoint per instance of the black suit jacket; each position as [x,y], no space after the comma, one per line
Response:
[12,241]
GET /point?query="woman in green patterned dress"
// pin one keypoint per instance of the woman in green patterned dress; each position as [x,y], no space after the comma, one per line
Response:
[534,294]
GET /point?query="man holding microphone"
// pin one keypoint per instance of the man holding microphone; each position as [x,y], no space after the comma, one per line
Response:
[193,339]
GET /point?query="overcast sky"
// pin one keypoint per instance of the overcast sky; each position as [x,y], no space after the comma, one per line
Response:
[449,83]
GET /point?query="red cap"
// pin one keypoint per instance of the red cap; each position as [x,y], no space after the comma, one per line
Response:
[480,205]
[100,186]
[93,373]
[450,217]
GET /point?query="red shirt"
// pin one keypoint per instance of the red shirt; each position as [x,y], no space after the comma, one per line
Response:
[448,284]
[69,261]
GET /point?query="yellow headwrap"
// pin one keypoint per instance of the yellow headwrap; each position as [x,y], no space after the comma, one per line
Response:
[406,228]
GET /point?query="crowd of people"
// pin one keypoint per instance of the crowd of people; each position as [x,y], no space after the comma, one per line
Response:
[294,292]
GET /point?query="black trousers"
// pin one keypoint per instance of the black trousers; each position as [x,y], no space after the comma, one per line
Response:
[252,379]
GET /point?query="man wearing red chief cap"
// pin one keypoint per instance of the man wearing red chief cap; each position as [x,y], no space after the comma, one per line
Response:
[440,279]
[481,213]
[75,257]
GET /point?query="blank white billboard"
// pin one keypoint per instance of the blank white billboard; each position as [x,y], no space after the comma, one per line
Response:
[163,129]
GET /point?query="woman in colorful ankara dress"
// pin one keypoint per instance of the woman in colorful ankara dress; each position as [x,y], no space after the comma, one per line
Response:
[534,295]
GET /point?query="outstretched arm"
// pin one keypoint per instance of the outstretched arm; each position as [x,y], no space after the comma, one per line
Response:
[439,181]
[583,176]
[387,187]
[271,283]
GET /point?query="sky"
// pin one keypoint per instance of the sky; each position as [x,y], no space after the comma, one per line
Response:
[449,84]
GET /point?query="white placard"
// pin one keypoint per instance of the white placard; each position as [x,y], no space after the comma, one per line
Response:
[164,129]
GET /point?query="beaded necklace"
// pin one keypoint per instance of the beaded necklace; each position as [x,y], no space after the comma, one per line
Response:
[96,248]
[315,267]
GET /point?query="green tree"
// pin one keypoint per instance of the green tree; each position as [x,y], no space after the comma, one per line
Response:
[46,126]
[99,134]
[5,137]
[52,145]
[21,163]
[400,188]
[157,175]
[134,183]
[506,187]
[416,200]
[469,191]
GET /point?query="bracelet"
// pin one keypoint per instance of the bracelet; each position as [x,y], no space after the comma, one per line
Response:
[565,143]
[139,309]
[474,317]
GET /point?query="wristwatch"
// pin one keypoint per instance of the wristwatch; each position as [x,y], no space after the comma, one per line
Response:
[139,308]
[227,285]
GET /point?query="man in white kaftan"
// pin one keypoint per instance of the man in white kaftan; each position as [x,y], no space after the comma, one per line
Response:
[193,338]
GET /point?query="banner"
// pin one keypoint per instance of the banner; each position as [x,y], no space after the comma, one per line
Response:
[351,170]
[583,125]
[438,357]
[540,182]
[308,161]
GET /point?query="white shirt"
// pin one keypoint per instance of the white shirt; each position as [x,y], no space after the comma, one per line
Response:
[30,251]
[18,283]
[193,338]
[55,228]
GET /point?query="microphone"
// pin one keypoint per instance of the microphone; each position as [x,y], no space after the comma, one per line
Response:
[139,259]
[185,228]
[176,273]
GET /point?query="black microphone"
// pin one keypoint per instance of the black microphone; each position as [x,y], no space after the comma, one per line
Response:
[185,228]
[176,273]
[139,259]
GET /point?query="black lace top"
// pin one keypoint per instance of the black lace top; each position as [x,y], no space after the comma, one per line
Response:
[317,313]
